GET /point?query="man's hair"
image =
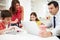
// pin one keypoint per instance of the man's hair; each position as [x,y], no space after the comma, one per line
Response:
[5,13]
[54,3]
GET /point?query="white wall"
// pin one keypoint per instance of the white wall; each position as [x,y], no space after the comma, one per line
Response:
[40,7]
[27,7]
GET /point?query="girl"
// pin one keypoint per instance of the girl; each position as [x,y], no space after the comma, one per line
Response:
[33,17]
[6,19]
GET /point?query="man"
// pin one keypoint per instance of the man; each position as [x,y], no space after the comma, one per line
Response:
[55,20]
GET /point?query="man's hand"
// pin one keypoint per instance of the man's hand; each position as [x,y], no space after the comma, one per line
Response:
[45,34]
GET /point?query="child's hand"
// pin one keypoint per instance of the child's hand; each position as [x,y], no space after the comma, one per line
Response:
[2,32]
[11,27]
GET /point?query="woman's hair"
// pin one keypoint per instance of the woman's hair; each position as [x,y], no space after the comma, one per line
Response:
[13,3]
[5,13]
[33,13]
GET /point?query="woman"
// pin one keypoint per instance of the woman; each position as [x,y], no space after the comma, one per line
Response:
[17,12]
[33,17]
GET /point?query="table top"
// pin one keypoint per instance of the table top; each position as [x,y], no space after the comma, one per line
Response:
[24,36]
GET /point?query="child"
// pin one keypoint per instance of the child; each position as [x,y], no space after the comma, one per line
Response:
[6,18]
[33,17]
[5,24]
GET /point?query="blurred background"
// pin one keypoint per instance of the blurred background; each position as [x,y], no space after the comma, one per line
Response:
[38,6]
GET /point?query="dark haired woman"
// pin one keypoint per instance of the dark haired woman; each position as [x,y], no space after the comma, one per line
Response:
[17,12]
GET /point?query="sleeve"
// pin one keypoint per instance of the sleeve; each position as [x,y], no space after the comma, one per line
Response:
[49,23]
[20,14]
[13,18]
[2,26]
[56,31]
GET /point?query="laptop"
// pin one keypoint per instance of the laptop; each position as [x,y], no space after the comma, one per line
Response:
[31,27]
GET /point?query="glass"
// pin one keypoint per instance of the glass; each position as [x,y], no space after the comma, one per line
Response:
[42,28]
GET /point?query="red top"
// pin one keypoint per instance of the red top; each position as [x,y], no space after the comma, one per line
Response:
[2,25]
[17,15]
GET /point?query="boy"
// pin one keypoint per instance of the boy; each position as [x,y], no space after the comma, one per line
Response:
[5,24]
[6,18]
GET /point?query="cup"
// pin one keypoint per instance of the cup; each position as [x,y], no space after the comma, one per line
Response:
[42,28]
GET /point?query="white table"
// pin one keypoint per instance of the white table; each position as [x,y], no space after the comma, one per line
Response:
[25,36]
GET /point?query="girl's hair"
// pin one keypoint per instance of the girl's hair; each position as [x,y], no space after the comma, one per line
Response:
[34,13]
[12,8]
[5,13]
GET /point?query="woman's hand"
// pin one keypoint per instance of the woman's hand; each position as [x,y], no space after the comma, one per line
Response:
[20,25]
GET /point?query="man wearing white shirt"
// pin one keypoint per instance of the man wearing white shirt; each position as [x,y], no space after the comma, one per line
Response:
[53,7]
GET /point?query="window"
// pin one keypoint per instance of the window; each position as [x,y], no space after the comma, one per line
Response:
[53,0]
[2,4]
